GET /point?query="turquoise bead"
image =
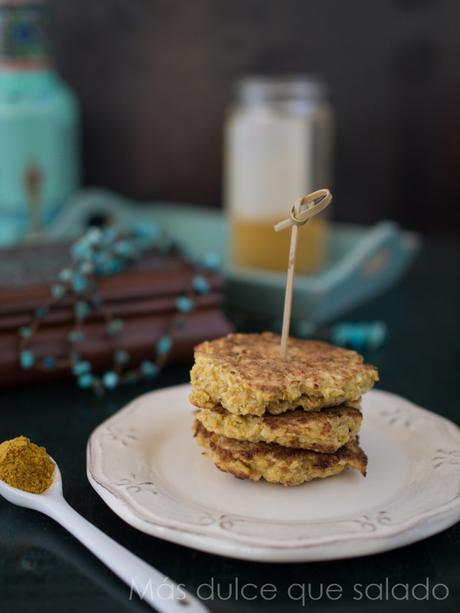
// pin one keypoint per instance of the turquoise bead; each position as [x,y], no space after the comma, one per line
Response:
[76,336]
[57,291]
[164,345]
[211,261]
[65,275]
[121,356]
[93,236]
[357,338]
[85,381]
[110,267]
[27,359]
[25,332]
[200,284]
[80,283]
[110,380]
[376,335]
[41,312]
[81,368]
[81,251]
[149,369]
[81,310]
[184,304]
[86,268]
[115,326]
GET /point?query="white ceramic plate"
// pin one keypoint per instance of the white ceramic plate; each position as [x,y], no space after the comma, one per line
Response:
[147,467]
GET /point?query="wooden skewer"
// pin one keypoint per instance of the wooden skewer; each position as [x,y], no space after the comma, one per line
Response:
[300,213]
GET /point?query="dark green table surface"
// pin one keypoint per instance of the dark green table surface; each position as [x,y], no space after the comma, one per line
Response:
[42,568]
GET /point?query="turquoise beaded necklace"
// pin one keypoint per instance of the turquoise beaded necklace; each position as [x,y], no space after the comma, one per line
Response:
[102,252]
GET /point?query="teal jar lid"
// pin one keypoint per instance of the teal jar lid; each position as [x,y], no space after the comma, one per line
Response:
[23,31]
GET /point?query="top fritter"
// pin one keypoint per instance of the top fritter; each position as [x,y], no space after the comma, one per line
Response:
[244,374]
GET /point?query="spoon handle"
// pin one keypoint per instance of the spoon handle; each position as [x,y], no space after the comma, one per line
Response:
[143,580]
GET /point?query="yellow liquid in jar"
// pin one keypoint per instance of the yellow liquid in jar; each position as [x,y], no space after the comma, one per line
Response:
[255,244]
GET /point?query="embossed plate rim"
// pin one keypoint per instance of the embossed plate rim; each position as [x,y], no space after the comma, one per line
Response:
[219,536]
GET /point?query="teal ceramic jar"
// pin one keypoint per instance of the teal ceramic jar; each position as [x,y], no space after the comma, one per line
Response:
[39,153]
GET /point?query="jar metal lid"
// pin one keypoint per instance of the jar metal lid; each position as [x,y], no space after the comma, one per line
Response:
[283,87]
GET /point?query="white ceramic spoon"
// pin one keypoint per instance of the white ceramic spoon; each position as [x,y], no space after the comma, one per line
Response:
[155,589]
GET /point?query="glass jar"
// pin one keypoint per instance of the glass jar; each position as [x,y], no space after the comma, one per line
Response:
[278,146]
[39,125]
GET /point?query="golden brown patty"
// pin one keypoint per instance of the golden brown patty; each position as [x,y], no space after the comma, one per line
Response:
[245,375]
[275,463]
[324,431]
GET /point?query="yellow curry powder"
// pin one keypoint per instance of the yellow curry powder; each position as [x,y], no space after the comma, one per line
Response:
[25,465]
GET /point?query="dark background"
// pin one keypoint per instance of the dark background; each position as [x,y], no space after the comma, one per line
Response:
[155,76]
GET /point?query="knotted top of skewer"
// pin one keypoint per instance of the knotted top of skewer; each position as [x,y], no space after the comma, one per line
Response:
[305,208]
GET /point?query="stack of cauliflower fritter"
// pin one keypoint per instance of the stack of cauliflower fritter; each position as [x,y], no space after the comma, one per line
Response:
[286,421]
